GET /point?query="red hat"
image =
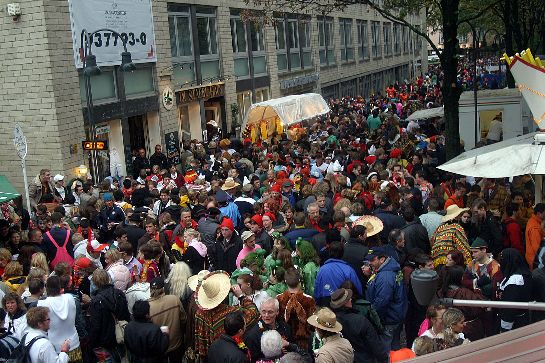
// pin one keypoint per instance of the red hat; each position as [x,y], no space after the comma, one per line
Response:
[433,139]
[258,220]
[96,246]
[281,175]
[227,223]
[370,159]
[305,171]
[395,153]
[276,188]
[82,262]
[270,215]
[352,165]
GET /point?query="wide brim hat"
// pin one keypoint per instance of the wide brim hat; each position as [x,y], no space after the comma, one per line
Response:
[229,184]
[372,224]
[195,280]
[213,289]
[325,319]
[453,211]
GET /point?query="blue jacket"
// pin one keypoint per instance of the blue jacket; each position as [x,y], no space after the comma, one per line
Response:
[331,275]
[304,233]
[387,293]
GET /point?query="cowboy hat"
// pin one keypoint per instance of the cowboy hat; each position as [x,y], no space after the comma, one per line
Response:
[213,289]
[325,319]
[340,297]
[453,211]
[195,280]
[372,224]
[229,184]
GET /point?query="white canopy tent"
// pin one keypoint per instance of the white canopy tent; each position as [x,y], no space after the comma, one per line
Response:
[426,114]
[517,156]
[290,109]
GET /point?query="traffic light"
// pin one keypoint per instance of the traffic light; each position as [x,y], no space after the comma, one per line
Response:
[95,145]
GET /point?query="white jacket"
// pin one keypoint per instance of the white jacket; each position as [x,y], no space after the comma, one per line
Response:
[62,312]
[42,351]
[19,326]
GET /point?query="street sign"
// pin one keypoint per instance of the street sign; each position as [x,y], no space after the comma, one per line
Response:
[19,140]
[94,145]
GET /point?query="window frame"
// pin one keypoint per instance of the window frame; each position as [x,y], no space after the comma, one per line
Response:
[375,40]
[238,54]
[347,39]
[325,37]
[363,39]
[387,37]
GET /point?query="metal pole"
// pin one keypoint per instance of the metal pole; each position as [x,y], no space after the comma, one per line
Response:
[25,181]
[532,305]
[475,84]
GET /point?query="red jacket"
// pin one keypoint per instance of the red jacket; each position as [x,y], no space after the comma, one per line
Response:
[512,236]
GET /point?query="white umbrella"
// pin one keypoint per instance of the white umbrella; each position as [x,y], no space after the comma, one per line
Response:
[517,156]
[426,114]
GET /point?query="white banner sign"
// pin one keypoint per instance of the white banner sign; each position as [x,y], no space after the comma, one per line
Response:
[132,19]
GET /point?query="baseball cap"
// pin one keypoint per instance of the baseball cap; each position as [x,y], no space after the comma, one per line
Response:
[96,246]
[58,177]
[376,252]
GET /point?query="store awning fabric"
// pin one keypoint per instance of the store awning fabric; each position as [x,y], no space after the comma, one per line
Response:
[7,191]
[426,114]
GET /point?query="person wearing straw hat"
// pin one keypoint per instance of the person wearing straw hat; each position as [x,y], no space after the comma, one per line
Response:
[357,329]
[450,236]
[210,297]
[336,349]
[230,186]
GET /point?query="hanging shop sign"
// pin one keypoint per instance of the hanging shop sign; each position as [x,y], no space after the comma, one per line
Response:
[299,81]
[201,93]
[131,19]
[172,142]
[168,98]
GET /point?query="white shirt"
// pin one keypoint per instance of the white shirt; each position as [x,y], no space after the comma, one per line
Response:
[495,131]
[43,351]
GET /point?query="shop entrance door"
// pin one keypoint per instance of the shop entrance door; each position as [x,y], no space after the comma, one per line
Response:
[137,133]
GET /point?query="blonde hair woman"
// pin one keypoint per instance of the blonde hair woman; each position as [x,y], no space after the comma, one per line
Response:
[177,280]
[119,273]
[40,261]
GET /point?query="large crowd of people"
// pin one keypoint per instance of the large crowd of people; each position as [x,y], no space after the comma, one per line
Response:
[289,249]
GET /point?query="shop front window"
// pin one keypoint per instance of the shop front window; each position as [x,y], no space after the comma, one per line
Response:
[181,48]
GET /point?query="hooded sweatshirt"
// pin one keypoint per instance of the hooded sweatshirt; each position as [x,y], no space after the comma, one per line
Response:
[62,312]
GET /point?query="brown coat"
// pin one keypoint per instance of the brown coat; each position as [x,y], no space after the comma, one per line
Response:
[335,350]
[300,308]
[168,310]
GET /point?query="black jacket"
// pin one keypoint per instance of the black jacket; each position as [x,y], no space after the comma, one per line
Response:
[252,338]
[134,233]
[225,350]
[139,163]
[107,302]
[416,236]
[354,254]
[225,256]
[390,220]
[362,335]
[145,342]
[159,159]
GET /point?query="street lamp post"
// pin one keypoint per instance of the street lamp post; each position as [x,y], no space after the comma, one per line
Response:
[90,69]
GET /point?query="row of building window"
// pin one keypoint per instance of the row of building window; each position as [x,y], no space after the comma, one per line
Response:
[292,38]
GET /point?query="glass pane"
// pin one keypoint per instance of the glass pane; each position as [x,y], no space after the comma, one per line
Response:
[257,38]
[293,34]
[213,36]
[307,59]
[139,81]
[172,34]
[241,67]
[282,61]
[280,36]
[210,69]
[323,59]
[102,86]
[241,36]
[202,29]
[330,56]
[350,54]
[260,65]
[321,37]
[183,73]
[341,33]
[360,53]
[295,60]
[184,37]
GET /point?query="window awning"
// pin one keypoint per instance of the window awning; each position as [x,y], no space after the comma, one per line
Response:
[7,191]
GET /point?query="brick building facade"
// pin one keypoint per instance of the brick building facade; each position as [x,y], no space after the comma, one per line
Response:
[212,61]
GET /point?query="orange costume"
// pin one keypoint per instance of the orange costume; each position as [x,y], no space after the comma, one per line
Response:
[534,235]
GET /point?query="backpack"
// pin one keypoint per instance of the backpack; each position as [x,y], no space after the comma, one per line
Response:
[21,353]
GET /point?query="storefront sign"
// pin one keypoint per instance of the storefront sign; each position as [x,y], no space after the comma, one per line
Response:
[299,81]
[198,93]
[172,142]
[132,19]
